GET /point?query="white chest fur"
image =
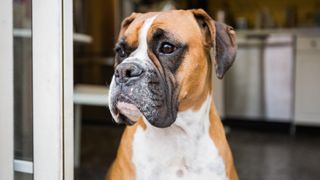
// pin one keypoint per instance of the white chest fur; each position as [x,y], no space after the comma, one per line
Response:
[183,151]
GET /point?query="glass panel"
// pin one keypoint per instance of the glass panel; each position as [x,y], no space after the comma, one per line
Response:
[22,176]
[23,139]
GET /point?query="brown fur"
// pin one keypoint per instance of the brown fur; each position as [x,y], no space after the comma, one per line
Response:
[217,134]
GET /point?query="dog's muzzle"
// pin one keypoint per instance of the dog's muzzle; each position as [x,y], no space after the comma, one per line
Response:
[139,90]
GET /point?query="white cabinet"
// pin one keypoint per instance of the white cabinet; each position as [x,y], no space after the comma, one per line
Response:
[307,91]
[259,85]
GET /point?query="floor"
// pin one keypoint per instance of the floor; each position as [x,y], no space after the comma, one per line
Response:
[258,155]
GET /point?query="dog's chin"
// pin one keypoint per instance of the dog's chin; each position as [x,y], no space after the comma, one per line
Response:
[127,113]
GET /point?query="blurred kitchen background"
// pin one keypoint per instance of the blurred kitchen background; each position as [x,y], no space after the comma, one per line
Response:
[269,100]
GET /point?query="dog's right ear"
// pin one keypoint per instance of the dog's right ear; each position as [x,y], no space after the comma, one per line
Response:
[126,22]
[226,48]
[220,37]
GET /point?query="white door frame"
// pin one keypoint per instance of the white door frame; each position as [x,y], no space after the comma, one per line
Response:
[52,57]
[6,90]
[52,89]
[68,122]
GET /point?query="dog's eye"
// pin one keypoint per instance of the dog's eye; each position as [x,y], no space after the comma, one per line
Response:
[121,52]
[167,48]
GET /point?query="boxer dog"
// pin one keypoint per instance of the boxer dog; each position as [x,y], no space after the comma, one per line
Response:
[162,89]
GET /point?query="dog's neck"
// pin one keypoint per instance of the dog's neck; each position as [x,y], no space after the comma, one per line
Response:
[188,123]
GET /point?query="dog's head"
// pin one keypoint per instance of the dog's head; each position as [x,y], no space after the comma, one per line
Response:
[163,64]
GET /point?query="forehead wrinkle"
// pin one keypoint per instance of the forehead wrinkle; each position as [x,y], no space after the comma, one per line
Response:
[131,35]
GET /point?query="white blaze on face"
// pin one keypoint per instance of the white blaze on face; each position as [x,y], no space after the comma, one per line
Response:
[141,52]
[141,55]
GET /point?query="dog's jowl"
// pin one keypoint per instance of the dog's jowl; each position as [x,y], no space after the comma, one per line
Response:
[162,89]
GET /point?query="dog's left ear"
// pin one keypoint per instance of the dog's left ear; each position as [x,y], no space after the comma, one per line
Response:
[220,37]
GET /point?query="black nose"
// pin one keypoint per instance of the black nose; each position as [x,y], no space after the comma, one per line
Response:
[126,72]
